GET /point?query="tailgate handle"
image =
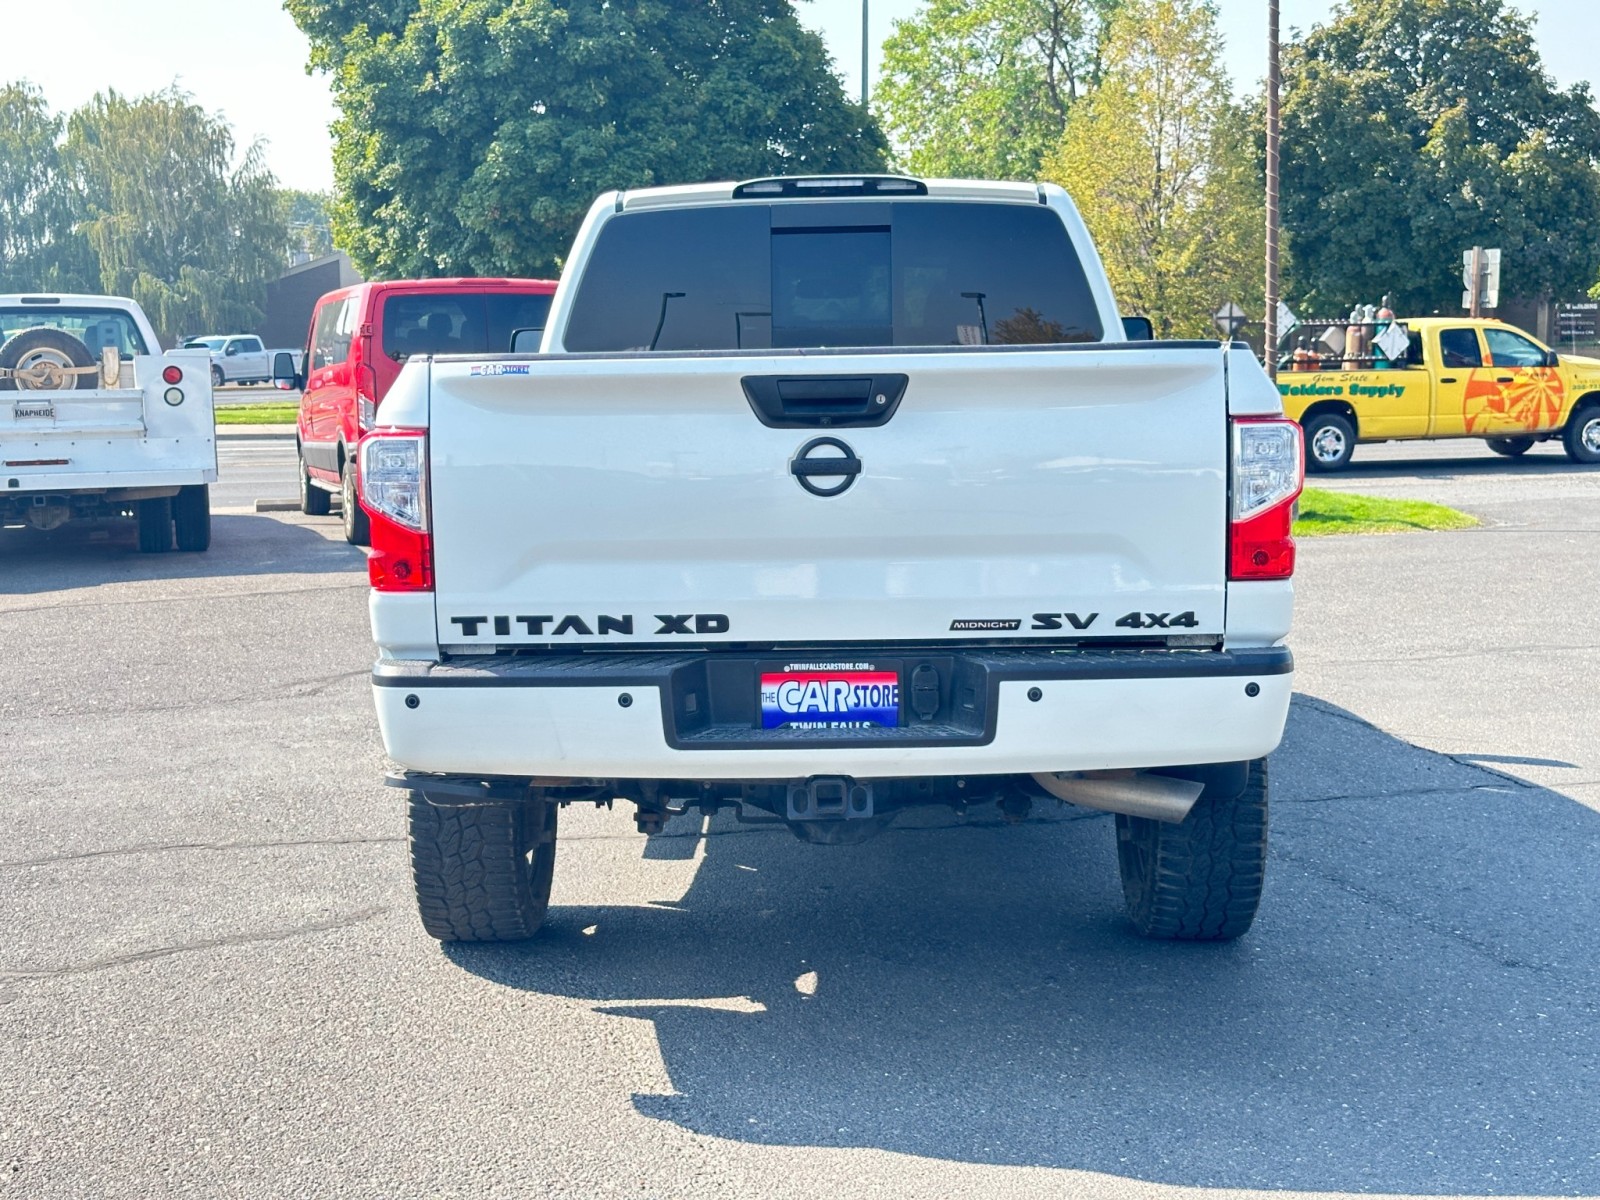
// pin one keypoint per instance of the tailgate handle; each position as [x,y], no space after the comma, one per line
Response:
[812,401]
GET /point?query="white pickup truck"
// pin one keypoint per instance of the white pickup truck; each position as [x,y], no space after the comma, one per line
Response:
[239,358]
[825,498]
[97,424]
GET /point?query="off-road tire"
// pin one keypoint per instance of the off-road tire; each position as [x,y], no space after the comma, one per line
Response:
[155,525]
[314,501]
[482,873]
[357,528]
[1199,880]
[55,344]
[1581,437]
[1323,432]
[1510,447]
[191,518]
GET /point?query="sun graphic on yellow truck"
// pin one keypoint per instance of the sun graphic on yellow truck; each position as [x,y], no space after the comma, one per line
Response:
[1532,402]
[1440,377]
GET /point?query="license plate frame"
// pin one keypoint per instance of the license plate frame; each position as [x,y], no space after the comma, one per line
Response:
[826,695]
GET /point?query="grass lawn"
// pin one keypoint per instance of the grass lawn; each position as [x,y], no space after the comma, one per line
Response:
[1339,512]
[257,414]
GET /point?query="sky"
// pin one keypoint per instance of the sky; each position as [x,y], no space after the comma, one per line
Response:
[246,59]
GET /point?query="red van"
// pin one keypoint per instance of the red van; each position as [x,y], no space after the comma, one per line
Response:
[359,339]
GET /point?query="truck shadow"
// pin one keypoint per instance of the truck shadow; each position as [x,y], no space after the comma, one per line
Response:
[86,555]
[1414,1012]
[1473,460]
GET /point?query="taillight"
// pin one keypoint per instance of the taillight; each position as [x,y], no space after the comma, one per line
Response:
[1268,471]
[394,491]
[172,375]
[366,397]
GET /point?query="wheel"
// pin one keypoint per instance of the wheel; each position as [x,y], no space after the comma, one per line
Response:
[1199,880]
[191,517]
[1330,441]
[1581,438]
[217,377]
[1511,447]
[155,525]
[357,529]
[314,501]
[42,357]
[482,873]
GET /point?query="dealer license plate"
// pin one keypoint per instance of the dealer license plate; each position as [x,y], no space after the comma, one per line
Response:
[830,695]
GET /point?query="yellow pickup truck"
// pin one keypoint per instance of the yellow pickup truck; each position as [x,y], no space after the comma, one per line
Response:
[1458,377]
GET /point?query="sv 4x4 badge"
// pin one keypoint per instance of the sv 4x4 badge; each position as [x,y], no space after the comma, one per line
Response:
[1133,620]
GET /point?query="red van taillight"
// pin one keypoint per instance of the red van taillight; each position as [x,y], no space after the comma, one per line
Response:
[394,491]
[1268,471]
[366,397]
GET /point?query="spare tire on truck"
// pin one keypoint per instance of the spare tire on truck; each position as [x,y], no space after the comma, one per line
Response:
[43,359]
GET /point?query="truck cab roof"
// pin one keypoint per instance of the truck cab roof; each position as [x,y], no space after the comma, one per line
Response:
[48,302]
[1421,324]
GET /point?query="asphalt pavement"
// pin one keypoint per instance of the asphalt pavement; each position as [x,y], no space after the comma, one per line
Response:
[215,983]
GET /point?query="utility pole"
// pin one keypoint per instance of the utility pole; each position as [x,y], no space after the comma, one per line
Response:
[864,53]
[1270,321]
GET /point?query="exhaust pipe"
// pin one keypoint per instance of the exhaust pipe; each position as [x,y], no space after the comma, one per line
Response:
[1132,793]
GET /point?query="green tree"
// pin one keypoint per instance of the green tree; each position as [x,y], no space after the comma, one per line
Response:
[40,249]
[309,222]
[1160,163]
[174,224]
[1412,132]
[474,134]
[982,88]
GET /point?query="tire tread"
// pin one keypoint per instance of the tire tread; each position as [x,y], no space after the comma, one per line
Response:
[155,525]
[1207,872]
[191,518]
[474,881]
[314,501]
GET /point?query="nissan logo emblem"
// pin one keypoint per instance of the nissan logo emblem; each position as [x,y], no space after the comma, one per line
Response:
[825,458]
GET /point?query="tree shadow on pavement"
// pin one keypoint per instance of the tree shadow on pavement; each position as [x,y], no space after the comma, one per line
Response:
[1415,1010]
[89,554]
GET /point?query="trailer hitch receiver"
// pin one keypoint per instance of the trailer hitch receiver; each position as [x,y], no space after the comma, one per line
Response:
[829,798]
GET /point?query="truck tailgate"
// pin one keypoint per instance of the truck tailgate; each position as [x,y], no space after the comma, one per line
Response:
[115,437]
[1014,494]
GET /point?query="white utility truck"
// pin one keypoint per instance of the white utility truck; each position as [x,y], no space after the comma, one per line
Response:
[96,423]
[824,498]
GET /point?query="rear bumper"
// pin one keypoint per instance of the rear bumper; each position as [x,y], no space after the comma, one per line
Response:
[14,482]
[630,716]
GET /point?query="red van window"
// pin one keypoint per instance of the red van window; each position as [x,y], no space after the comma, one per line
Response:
[458,322]
[333,333]
[511,311]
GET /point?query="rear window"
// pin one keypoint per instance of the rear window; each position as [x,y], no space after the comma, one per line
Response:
[457,322]
[868,273]
[96,328]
